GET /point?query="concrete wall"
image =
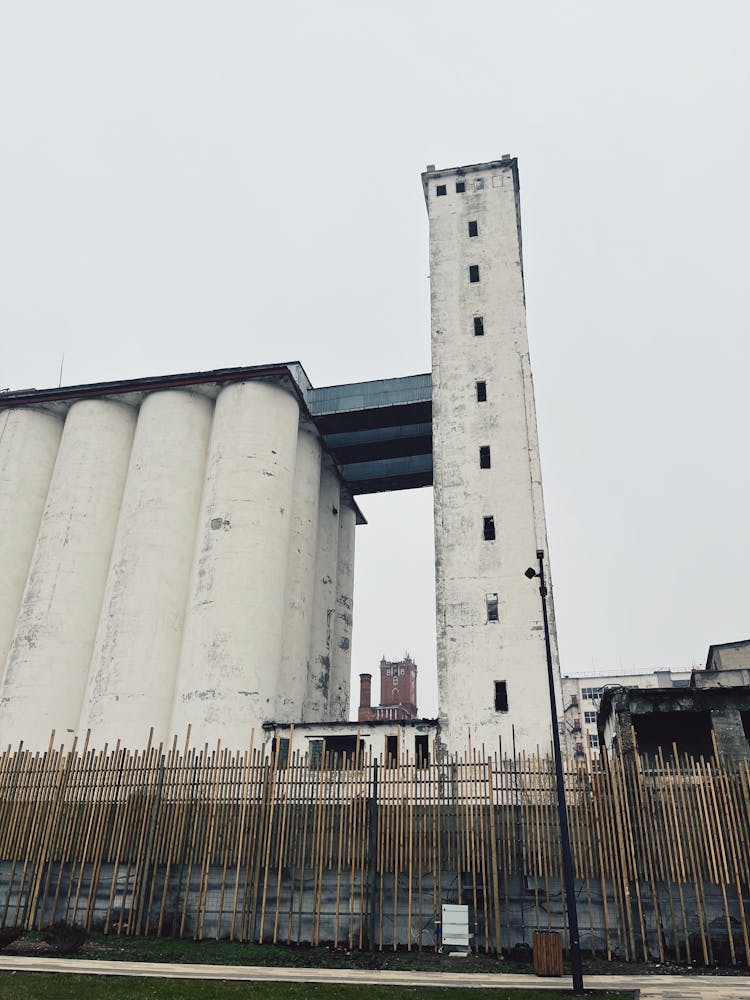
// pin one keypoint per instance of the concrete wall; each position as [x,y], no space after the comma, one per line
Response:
[474,652]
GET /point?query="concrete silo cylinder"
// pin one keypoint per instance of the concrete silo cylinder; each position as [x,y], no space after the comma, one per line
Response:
[300,579]
[235,620]
[29,440]
[49,657]
[341,647]
[324,595]
[134,665]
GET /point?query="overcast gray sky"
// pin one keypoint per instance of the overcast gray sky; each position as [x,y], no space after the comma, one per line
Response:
[187,185]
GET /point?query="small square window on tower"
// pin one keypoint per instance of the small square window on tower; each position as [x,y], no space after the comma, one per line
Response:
[440,190]
[479,184]
[489,528]
[481,392]
[460,187]
[484,457]
[501,696]
[473,228]
[473,273]
[492,612]
[479,326]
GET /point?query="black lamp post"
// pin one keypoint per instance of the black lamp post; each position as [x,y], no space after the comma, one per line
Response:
[567,856]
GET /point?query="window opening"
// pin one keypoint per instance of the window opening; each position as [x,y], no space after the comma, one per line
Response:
[460,187]
[473,228]
[479,184]
[501,696]
[489,529]
[440,190]
[481,392]
[484,457]
[479,326]
[391,751]
[589,718]
[492,611]
[593,741]
[473,273]
[422,750]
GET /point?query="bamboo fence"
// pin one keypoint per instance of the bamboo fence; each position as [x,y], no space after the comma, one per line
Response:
[362,852]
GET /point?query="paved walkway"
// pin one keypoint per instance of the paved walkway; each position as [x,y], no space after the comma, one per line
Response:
[651,987]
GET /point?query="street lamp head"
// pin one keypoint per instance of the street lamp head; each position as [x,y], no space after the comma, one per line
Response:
[530,573]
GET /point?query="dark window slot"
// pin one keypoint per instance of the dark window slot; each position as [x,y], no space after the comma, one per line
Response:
[391,751]
[479,326]
[421,751]
[489,529]
[473,228]
[501,696]
[481,392]
[460,187]
[473,273]
[484,457]
[440,190]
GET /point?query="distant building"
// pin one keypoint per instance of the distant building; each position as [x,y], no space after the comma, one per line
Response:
[582,696]
[398,692]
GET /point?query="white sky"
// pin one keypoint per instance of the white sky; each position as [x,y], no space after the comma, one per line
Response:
[187,185]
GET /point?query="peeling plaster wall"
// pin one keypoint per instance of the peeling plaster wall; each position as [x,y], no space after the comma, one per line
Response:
[132,675]
[232,643]
[29,440]
[472,651]
[49,658]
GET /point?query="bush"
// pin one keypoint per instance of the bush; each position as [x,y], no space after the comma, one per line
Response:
[8,935]
[66,939]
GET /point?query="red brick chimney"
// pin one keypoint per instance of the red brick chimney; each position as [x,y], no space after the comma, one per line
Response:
[365,713]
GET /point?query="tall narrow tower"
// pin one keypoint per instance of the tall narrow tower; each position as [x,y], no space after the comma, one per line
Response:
[489,511]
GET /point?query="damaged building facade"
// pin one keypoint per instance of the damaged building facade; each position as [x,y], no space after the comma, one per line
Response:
[179,551]
[711,710]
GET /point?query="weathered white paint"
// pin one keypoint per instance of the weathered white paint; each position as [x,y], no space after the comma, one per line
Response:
[300,583]
[51,649]
[132,675]
[235,618]
[473,652]
[341,647]
[324,594]
[29,440]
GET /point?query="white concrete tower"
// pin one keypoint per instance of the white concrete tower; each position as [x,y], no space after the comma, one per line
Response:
[489,512]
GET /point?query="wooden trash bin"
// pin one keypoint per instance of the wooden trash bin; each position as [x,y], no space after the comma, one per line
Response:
[548,957]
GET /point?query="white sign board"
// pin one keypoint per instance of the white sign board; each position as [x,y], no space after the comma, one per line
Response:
[456,925]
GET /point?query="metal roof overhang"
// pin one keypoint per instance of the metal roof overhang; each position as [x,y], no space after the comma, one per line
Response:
[379,433]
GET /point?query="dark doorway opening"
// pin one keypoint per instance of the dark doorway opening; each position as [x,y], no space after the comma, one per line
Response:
[691,731]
